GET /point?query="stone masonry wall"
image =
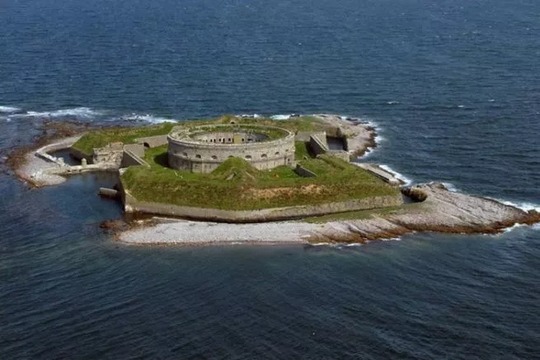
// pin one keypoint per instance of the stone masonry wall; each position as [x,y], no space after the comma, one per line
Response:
[132,205]
[205,157]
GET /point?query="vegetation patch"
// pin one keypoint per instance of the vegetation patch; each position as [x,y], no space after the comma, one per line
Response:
[236,185]
[102,137]
[127,135]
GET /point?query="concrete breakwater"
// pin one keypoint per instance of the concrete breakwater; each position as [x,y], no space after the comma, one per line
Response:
[40,168]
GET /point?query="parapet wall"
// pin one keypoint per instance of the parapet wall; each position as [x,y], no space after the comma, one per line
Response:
[197,156]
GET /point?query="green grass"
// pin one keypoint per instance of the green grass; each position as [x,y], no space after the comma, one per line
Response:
[102,137]
[301,150]
[236,185]
[271,133]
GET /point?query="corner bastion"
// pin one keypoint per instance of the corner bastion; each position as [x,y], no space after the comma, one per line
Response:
[202,149]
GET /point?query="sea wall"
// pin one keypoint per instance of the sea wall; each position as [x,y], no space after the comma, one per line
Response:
[132,205]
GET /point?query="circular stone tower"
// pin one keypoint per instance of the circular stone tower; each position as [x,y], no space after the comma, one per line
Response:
[203,148]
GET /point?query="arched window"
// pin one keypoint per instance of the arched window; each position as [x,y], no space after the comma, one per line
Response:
[214,157]
[248,157]
[198,156]
[185,154]
[264,156]
[277,153]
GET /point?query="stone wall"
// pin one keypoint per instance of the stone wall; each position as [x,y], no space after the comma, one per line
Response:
[110,154]
[196,156]
[317,143]
[153,141]
[130,158]
[132,205]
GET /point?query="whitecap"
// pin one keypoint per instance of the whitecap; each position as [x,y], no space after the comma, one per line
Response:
[9,109]
[147,118]
[513,227]
[392,239]
[397,175]
[451,187]
[78,112]
[393,102]
[525,206]
[461,106]
[280,117]
[250,116]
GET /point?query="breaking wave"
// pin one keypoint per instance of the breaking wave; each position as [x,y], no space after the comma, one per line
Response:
[451,187]
[78,113]
[9,109]
[280,117]
[397,175]
[525,206]
[147,118]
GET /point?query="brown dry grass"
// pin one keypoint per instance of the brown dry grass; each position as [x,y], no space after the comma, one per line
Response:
[265,194]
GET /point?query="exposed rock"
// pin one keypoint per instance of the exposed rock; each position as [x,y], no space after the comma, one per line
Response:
[114,225]
[442,211]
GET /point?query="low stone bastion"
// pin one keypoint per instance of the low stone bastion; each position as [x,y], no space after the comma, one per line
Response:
[202,149]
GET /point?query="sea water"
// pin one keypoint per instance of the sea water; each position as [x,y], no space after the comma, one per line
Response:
[453,88]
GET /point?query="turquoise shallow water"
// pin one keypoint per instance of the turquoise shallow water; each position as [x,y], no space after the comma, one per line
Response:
[454,89]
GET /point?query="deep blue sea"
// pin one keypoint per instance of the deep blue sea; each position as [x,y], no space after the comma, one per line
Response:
[454,89]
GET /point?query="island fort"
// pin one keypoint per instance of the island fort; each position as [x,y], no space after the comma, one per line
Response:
[237,169]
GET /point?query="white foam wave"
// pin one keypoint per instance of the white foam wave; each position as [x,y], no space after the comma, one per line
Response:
[147,118]
[525,206]
[250,116]
[461,106]
[8,109]
[397,175]
[378,137]
[513,227]
[451,187]
[280,117]
[393,102]
[78,112]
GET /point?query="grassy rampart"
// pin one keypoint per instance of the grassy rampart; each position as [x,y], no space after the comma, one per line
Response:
[102,137]
[236,185]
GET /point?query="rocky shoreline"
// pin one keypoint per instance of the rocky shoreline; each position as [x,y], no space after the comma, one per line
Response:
[442,211]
